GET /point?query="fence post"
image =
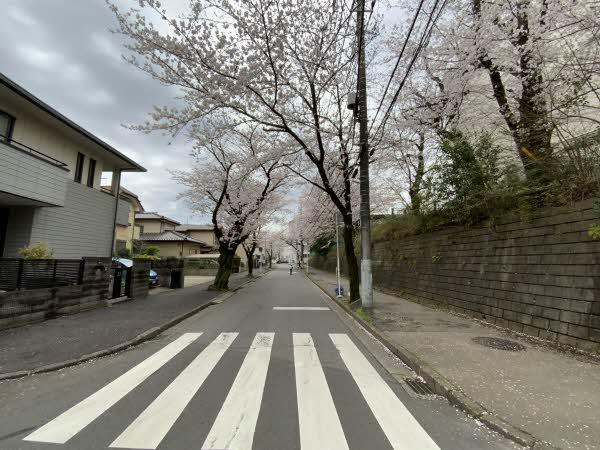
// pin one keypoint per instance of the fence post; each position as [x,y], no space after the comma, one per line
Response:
[81,270]
[54,272]
[20,273]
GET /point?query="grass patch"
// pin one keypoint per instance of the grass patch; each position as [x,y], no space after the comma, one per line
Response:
[364,315]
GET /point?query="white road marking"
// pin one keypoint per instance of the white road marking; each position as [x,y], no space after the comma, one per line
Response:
[400,427]
[152,425]
[236,422]
[300,308]
[72,421]
[320,425]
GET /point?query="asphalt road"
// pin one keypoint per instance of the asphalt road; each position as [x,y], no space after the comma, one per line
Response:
[248,373]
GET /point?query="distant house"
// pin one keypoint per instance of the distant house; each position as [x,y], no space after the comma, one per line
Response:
[50,171]
[201,232]
[205,233]
[160,231]
[127,232]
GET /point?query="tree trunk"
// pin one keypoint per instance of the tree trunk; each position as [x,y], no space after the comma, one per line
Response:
[415,188]
[250,261]
[353,273]
[535,151]
[221,282]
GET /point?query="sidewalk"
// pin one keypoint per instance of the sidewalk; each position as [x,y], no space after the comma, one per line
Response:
[551,395]
[69,337]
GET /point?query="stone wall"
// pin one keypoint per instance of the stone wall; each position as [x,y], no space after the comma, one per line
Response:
[539,276]
[139,278]
[24,306]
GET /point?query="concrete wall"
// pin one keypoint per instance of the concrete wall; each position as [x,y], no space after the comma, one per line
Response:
[25,306]
[139,281]
[540,276]
[31,177]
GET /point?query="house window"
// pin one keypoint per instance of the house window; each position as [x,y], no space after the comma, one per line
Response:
[91,172]
[7,123]
[79,167]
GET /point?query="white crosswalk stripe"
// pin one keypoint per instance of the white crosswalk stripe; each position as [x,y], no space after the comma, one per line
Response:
[235,424]
[149,429]
[320,425]
[400,427]
[242,404]
[68,424]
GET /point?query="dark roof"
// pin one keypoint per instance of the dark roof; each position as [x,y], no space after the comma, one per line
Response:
[135,167]
[192,227]
[155,216]
[169,236]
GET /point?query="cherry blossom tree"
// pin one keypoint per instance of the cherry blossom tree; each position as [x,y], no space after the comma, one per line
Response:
[287,66]
[237,180]
[536,59]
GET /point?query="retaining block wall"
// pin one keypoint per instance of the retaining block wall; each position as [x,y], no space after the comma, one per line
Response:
[140,281]
[540,276]
[24,306]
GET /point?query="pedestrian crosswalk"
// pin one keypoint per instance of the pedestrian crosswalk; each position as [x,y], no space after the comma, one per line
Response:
[234,426]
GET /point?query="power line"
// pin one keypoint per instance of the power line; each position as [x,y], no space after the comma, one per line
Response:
[422,43]
[410,30]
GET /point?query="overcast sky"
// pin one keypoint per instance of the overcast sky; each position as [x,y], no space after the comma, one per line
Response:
[63,52]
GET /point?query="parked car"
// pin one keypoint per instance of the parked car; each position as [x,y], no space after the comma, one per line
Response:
[153,278]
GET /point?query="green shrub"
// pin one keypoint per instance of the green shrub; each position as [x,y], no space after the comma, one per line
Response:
[124,253]
[147,257]
[322,244]
[594,232]
[150,251]
[37,251]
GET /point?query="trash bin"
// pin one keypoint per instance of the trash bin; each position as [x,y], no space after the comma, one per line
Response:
[176,278]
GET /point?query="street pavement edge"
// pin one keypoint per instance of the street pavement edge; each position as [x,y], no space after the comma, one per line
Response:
[440,384]
[140,338]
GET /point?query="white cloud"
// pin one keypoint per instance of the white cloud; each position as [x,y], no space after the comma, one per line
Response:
[20,16]
[37,57]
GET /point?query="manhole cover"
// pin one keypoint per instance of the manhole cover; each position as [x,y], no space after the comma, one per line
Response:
[499,344]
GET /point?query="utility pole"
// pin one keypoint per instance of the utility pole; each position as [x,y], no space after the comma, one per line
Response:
[337,249]
[366,274]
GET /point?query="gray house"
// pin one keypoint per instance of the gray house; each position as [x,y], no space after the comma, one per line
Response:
[50,173]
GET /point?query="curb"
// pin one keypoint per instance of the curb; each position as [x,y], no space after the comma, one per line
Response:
[140,338]
[444,387]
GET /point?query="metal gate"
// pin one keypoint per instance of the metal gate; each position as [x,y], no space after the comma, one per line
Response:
[120,281]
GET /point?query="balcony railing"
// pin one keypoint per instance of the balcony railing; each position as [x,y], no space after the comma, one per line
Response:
[32,151]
